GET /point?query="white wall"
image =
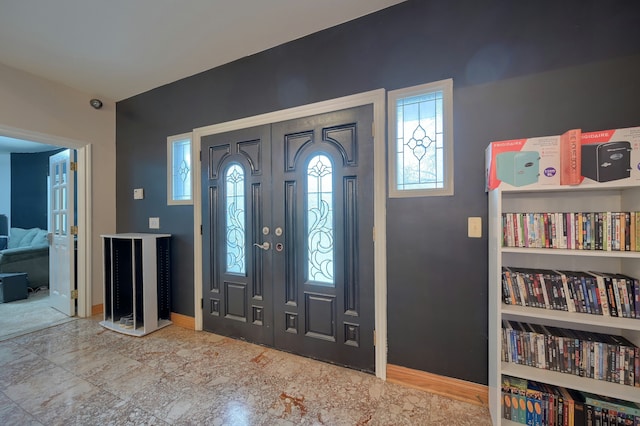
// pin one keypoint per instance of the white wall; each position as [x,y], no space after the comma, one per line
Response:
[5,185]
[32,104]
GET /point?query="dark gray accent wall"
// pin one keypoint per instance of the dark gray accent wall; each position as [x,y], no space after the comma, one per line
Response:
[519,69]
[29,173]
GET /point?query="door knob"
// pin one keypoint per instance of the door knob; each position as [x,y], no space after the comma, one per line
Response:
[264,246]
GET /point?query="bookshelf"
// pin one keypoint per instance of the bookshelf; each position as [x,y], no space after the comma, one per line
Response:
[137,279]
[583,198]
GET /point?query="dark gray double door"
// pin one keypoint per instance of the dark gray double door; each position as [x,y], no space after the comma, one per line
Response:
[288,236]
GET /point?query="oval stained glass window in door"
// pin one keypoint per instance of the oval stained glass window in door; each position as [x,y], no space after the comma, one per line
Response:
[320,228]
[234,219]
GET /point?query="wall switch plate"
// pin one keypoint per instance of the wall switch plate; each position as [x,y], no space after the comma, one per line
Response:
[138,194]
[474,227]
[154,223]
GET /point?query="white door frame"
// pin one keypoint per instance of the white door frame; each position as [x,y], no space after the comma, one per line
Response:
[376,98]
[85,230]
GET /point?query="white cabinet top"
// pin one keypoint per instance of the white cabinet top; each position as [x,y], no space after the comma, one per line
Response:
[135,235]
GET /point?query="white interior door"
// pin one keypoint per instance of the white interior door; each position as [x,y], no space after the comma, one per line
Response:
[61,243]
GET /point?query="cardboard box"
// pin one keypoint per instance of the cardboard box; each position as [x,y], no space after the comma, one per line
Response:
[571,158]
[601,159]
[611,157]
[518,163]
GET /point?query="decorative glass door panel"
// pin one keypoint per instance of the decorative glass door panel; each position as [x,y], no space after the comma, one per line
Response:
[235,221]
[320,253]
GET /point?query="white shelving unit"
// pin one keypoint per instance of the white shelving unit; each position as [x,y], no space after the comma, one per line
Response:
[588,198]
[137,278]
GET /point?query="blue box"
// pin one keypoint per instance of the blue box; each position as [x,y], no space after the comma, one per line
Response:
[13,286]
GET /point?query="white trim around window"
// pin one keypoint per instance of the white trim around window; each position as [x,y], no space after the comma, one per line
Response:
[420,149]
[179,169]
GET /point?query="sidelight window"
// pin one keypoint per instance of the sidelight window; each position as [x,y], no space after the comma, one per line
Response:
[179,168]
[235,219]
[421,140]
[320,228]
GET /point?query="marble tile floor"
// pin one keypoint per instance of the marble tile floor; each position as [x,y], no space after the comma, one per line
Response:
[79,373]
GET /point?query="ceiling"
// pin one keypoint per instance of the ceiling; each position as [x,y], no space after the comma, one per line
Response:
[11,145]
[116,49]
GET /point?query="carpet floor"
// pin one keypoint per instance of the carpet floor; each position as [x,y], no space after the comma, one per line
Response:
[28,315]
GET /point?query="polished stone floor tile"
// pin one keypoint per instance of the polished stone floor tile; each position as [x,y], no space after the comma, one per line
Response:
[12,414]
[79,373]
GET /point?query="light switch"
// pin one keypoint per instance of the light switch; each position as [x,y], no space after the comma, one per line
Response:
[138,194]
[154,223]
[475,227]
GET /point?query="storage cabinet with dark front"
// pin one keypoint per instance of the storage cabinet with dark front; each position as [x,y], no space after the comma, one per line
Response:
[137,282]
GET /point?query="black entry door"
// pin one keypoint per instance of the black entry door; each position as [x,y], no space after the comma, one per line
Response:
[236,204]
[307,284]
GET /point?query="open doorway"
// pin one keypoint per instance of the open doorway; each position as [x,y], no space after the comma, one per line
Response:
[27,314]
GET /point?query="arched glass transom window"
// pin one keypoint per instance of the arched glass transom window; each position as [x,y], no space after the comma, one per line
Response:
[320,220]
[235,220]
